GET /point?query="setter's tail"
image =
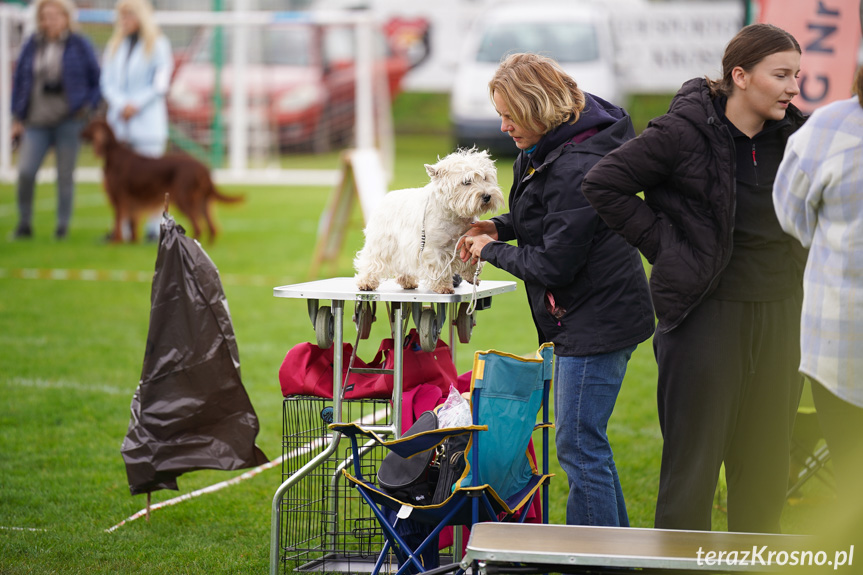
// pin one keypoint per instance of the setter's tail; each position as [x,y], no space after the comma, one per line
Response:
[217,195]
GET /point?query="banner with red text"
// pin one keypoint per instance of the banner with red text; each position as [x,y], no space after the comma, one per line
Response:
[829,34]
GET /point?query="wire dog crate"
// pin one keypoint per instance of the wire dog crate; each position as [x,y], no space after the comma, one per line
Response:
[319,524]
[325,525]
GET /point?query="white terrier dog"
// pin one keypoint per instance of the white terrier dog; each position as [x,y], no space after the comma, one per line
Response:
[412,234]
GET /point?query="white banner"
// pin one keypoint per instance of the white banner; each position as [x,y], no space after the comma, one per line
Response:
[662,45]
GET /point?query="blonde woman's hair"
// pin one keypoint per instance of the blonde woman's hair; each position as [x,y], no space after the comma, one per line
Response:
[538,93]
[148,30]
[66,5]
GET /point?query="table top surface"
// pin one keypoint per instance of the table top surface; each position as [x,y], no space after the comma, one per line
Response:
[344,288]
[622,546]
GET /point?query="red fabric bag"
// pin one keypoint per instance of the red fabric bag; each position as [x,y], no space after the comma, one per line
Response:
[308,370]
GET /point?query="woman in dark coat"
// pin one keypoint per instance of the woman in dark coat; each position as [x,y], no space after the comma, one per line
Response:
[586,287]
[55,86]
[726,280]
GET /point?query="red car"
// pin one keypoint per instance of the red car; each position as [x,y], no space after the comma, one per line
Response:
[300,83]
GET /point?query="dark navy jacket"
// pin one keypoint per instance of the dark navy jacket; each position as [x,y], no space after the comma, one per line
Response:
[80,76]
[565,253]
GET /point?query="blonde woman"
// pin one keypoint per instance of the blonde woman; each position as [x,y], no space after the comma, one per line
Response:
[586,287]
[137,67]
[137,72]
[55,86]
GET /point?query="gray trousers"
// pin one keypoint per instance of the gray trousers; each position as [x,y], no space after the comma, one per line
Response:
[65,138]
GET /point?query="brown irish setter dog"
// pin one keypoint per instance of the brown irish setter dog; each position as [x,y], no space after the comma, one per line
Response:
[137,184]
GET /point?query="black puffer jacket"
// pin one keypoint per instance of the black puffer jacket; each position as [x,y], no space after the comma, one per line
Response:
[565,253]
[685,164]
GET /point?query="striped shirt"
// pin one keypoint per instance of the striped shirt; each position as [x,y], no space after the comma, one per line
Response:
[818,196]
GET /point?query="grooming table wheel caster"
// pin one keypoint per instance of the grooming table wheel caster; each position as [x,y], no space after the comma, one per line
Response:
[364,316]
[429,330]
[464,323]
[324,327]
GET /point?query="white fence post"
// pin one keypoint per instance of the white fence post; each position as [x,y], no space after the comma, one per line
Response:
[239,91]
[365,111]
[5,91]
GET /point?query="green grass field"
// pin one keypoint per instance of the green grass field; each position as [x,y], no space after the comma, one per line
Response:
[70,358]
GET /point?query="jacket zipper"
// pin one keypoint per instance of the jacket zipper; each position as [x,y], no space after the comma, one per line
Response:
[755,165]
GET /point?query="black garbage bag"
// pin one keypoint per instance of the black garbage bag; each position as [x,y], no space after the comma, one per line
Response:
[190,410]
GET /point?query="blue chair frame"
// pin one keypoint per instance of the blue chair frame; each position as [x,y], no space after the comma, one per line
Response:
[505,391]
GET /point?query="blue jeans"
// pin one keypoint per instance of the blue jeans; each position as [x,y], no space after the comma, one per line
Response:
[585,390]
[66,140]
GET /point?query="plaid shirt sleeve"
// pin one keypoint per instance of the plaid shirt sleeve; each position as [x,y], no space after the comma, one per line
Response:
[817,197]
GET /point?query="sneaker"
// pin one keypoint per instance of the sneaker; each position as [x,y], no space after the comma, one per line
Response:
[22,232]
[61,233]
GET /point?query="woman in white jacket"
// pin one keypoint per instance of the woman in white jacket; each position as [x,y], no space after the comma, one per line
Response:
[137,67]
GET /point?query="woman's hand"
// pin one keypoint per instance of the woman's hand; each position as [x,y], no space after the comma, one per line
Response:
[471,247]
[129,111]
[469,240]
[17,129]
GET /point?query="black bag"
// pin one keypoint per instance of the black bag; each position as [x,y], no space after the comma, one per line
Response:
[452,464]
[413,479]
[426,478]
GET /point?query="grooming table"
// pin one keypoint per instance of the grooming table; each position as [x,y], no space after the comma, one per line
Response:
[429,311]
[534,548]
[328,321]
[345,289]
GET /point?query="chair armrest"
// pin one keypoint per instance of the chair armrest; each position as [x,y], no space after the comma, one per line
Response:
[351,429]
[412,445]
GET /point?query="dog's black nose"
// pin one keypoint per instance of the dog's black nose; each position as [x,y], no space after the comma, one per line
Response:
[486,198]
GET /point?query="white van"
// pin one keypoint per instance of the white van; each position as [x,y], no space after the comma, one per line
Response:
[576,34]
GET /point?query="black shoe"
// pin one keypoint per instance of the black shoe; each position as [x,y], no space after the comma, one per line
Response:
[22,232]
[61,233]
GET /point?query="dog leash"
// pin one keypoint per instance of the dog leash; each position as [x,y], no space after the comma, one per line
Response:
[473,298]
[423,230]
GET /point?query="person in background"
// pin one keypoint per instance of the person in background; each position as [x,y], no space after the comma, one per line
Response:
[137,67]
[726,280]
[586,287]
[55,86]
[817,197]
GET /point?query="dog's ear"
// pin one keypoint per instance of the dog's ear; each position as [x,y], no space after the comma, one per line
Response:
[98,140]
[431,171]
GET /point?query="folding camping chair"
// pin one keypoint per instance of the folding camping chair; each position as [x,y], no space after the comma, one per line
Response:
[809,454]
[500,481]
